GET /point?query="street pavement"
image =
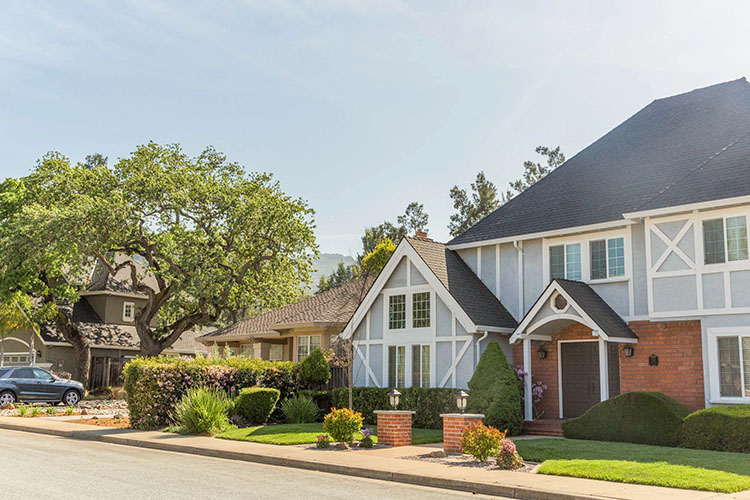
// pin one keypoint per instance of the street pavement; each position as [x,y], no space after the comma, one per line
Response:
[47,467]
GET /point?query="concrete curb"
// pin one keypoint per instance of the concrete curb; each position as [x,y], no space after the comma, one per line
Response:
[362,472]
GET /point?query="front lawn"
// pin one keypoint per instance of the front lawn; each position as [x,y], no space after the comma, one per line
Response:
[287,434]
[640,464]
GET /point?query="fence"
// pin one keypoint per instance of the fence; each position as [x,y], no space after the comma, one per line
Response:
[339,378]
[106,372]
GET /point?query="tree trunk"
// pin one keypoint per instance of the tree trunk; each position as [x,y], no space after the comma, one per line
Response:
[2,351]
[80,345]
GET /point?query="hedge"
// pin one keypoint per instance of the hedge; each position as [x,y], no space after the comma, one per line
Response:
[633,417]
[720,428]
[428,403]
[256,404]
[154,386]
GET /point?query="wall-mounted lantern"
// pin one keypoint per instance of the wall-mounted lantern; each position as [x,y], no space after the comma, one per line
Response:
[542,353]
[461,399]
[394,396]
[629,351]
[653,360]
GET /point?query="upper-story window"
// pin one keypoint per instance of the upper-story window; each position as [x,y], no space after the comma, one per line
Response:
[128,311]
[607,258]
[565,261]
[396,312]
[420,310]
[725,240]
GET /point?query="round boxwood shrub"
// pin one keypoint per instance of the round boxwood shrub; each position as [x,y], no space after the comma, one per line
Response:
[256,403]
[721,428]
[493,391]
[633,417]
[314,370]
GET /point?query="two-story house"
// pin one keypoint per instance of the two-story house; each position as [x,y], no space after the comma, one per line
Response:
[626,268]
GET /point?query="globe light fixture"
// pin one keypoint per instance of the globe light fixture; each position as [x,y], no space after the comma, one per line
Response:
[461,399]
[394,396]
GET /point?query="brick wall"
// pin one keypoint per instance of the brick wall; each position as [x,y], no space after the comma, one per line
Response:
[394,428]
[453,428]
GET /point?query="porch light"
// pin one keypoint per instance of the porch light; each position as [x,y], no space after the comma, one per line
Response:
[542,353]
[629,351]
[461,400]
[394,396]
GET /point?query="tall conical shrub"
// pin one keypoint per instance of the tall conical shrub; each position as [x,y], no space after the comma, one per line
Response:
[493,391]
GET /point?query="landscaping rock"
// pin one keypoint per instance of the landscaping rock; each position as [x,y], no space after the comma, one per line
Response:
[438,454]
[341,446]
[84,412]
[7,406]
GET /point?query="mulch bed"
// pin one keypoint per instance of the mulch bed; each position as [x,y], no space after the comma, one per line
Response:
[120,423]
[462,460]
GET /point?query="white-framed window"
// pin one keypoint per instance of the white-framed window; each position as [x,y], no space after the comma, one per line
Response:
[607,258]
[729,364]
[306,344]
[420,310]
[128,311]
[396,312]
[276,352]
[565,261]
[247,350]
[397,366]
[420,365]
[725,239]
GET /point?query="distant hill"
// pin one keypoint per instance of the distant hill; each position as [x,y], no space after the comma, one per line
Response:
[326,264]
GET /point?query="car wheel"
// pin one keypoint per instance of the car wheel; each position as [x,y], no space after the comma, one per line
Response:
[7,398]
[71,398]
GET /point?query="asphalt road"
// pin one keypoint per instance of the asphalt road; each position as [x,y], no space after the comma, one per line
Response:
[46,467]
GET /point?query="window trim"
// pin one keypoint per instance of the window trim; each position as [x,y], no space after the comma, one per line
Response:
[606,241]
[723,219]
[309,342]
[714,334]
[584,240]
[125,309]
[280,358]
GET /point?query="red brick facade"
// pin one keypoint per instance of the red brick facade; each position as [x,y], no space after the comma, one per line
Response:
[453,428]
[678,375]
[394,427]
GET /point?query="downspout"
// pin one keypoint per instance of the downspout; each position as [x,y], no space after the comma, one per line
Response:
[476,358]
[519,248]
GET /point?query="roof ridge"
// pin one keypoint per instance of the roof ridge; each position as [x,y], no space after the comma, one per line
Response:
[701,89]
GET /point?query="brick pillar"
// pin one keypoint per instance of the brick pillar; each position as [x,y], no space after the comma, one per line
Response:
[394,427]
[453,427]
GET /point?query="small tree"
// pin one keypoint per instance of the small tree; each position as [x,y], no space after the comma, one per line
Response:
[415,218]
[314,370]
[375,261]
[470,209]
[493,391]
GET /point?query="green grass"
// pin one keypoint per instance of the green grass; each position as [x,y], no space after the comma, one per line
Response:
[640,464]
[287,434]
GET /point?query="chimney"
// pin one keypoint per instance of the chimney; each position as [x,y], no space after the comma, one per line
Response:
[421,234]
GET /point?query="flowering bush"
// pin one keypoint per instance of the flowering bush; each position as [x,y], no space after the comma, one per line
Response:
[342,424]
[537,390]
[481,441]
[366,441]
[324,441]
[508,458]
[154,386]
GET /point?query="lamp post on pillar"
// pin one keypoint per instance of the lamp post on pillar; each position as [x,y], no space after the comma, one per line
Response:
[527,401]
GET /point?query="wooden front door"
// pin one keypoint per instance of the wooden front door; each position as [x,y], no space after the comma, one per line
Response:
[580,377]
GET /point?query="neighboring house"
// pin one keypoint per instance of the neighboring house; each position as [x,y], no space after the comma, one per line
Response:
[291,332]
[625,269]
[105,314]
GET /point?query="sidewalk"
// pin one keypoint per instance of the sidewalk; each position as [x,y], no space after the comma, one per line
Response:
[385,464]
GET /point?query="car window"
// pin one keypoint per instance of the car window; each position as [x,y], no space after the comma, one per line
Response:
[41,374]
[4,372]
[23,373]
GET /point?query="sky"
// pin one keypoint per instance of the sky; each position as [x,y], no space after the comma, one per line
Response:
[359,107]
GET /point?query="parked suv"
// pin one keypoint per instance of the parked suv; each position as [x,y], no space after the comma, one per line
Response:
[30,383]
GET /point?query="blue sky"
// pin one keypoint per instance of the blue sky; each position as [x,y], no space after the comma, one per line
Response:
[359,107]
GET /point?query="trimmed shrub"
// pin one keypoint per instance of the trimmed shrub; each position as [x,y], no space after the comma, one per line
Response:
[314,370]
[256,404]
[154,386]
[428,403]
[300,410]
[203,411]
[342,424]
[720,428]
[481,441]
[633,417]
[493,391]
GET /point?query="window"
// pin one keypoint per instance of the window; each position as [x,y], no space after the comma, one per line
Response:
[420,310]
[397,366]
[734,366]
[276,353]
[725,246]
[420,366]
[23,373]
[128,311]
[246,350]
[40,374]
[607,258]
[396,312]
[306,344]
[565,261]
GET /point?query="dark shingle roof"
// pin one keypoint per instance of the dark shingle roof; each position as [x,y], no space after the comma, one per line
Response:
[332,306]
[479,303]
[599,311]
[688,148]
[102,280]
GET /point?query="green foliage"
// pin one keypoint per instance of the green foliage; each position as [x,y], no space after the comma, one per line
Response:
[256,404]
[323,441]
[300,410]
[323,399]
[481,441]
[35,411]
[314,370]
[155,385]
[470,210]
[342,424]
[533,172]
[51,411]
[22,410]
[203,411]
[415,218]
[69,410]
[375,261]
[720,428]
[341,276]
[633,417]
[428,403]
[493,391]
[377,234]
